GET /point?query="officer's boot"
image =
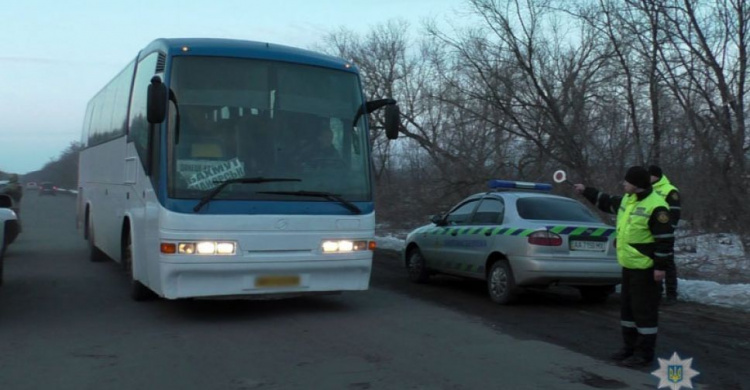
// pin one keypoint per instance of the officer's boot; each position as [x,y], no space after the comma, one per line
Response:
[629,338]
[643,354]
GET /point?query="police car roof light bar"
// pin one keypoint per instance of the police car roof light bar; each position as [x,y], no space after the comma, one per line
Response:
[518,185]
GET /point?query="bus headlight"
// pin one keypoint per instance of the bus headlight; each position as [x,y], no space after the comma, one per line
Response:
[225,248]
[186,248]
[207,248]
[345,246]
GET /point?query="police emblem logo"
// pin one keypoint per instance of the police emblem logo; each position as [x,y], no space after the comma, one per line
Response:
[662,217]
[674,373]
[675,196]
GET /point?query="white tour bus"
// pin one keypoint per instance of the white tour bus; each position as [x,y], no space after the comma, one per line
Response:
[224,168]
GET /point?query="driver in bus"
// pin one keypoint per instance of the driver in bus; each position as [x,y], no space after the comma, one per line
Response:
[318,149]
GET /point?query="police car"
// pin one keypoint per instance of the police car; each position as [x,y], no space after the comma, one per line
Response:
[515,236]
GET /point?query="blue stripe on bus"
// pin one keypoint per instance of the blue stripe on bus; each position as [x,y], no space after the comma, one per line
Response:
[246,49]
[257,207]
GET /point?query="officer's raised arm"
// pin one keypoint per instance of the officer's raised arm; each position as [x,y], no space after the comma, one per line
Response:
[602,201]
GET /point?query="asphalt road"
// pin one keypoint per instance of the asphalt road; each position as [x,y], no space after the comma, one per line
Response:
[67,323]
[718,339]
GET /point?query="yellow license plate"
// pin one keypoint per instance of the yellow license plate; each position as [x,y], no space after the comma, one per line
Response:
[277,281]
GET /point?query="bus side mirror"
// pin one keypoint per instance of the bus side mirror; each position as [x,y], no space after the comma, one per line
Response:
[392,121]
[156,103]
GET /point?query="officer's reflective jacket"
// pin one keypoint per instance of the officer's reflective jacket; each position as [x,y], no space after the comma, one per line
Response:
[645,235]
[671,194]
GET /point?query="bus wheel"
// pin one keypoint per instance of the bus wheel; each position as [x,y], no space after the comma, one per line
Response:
[138,292]
[95,254]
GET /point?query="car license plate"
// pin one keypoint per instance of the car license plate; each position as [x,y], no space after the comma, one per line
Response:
[277,281]
[592,246]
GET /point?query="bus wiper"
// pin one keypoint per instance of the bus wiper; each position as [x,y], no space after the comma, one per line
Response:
[334,197]
[243,180]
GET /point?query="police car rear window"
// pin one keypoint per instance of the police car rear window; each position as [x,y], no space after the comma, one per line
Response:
[554,209]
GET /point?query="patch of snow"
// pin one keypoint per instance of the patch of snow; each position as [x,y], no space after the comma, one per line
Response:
[712,245]
[390,243]
[712,293]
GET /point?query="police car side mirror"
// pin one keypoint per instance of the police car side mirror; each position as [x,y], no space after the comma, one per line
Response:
[437,219]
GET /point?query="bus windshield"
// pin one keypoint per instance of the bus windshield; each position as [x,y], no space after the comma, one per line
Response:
[255,118]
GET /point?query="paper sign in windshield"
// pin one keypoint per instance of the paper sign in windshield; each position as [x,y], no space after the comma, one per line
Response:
[188,168]
[204,175]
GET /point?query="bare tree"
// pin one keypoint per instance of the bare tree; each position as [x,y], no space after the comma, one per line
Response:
[463,152]
[539,87]
[591,86]
[705,61]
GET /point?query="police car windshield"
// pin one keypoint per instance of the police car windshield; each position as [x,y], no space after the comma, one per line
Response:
[554,209]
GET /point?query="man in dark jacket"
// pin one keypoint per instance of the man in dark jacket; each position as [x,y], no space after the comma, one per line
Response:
[645,239]
[671,194]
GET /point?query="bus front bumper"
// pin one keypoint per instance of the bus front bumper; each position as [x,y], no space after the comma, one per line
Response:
[258,279]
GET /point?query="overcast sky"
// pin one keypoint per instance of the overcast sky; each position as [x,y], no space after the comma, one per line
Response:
[55,55]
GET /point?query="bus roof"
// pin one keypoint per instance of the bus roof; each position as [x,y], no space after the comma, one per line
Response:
[245,49]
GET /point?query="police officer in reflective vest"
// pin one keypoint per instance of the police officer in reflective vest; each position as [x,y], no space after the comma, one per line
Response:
[671,194]
[645,239]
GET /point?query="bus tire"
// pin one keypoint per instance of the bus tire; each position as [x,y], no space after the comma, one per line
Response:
[95,254]
[138,291]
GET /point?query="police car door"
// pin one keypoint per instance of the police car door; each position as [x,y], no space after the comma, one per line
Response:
[484,223]
[453,242]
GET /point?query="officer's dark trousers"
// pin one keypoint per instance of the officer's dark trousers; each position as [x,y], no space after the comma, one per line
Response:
[670,280]
[639,314]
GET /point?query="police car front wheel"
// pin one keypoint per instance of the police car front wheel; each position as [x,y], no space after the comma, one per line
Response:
[417,267]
